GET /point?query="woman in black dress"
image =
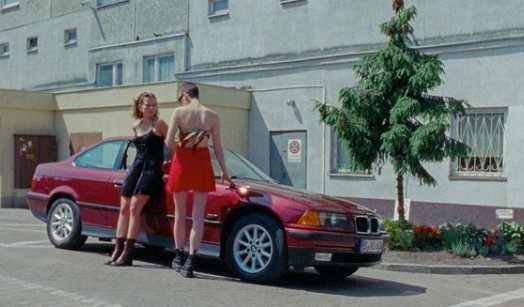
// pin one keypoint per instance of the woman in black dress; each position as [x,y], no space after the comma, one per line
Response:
[144,178]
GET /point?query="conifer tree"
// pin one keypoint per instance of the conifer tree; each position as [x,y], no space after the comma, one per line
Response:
[388,115]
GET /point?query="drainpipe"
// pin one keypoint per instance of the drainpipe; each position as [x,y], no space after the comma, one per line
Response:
[323,88]
[187,39]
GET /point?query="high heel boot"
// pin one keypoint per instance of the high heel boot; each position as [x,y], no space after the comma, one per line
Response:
[178,261]
[117,251]
[187,269]
[127,256]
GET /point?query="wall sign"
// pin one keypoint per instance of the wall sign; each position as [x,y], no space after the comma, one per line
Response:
[294,150]
[506,214]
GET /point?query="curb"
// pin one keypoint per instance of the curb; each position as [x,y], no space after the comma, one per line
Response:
[451,269]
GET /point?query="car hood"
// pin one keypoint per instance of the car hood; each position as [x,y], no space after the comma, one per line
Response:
[315,201]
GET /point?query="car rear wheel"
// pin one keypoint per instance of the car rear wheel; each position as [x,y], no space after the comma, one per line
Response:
[256,249]
[64,227]
[335,272]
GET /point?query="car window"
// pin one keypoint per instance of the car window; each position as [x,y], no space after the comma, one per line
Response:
[103,156]
[239,167]
[129,156]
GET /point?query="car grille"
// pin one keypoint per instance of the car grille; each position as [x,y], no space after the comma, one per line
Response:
[367,224]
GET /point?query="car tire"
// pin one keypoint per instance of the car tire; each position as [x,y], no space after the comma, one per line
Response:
[64,226]
[335,272]
[256,250]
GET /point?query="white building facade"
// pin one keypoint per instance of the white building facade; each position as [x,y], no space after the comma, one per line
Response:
[289,54]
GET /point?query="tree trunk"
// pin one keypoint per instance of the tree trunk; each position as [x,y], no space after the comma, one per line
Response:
[400,197]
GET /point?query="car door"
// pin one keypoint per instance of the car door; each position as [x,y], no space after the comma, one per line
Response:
[95,182]
[157,215]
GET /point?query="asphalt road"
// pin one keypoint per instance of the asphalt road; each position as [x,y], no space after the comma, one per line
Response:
[32,272]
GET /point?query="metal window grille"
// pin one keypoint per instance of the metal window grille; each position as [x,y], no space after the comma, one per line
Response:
[483,132]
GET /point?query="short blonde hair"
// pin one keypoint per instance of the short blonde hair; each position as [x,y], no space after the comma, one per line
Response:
[138,102]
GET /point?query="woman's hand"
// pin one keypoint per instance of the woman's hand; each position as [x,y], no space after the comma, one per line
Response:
[225,177]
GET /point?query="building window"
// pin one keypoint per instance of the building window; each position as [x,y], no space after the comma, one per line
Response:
[483,131]
[70,37]
[159,68]
[109,75]
[340,159]
[108,2]
[289,1]
[32,44]
[9,3]
[4,50]
[218,7]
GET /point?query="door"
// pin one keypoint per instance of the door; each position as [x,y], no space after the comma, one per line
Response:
[288,155]
[30,150]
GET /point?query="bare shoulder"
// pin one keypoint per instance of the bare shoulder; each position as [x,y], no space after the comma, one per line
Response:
[136,124]
[160,123]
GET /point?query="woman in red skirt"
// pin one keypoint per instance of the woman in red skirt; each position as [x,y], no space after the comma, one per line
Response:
[191,169]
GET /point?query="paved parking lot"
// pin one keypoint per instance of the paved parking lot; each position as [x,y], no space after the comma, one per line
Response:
[32,272]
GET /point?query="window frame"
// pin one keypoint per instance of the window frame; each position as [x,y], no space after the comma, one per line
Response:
[108,3]
[33,40]
[289,1]
[4,50]
[499,173]
[115,76]
[213,12]
[4,5]
[105,156]
[67,40]
[334,170]
[157,68]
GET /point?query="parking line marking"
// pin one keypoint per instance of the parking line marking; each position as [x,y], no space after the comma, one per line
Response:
[22,229]
[494,299]
[70,296]
[30,244]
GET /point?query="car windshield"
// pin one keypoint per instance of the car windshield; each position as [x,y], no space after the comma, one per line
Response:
[239,167]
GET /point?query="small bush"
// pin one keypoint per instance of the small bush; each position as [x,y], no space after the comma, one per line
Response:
[426,237]
[463,249]
[400,234]
[462,240]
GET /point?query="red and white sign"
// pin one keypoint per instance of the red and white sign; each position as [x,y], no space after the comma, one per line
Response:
[294,150]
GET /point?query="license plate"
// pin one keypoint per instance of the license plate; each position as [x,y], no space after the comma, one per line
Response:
[371,246]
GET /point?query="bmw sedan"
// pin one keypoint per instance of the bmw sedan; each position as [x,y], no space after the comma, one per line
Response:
[259,227]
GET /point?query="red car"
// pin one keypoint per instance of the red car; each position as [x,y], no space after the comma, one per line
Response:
[259,227]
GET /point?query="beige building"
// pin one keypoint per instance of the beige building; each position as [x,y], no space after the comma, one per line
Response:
[30,121]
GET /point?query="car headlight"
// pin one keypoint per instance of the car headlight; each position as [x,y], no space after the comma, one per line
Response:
[323,219]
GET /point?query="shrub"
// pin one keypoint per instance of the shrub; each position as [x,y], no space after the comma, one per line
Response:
[463,249]
[512,234]
[426,237]
[462,240]
[400,234]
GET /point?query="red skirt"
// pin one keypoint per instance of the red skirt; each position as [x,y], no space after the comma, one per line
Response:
[191,170]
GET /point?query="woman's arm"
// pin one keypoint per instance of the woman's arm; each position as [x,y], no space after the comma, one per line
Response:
[217,147]
[161,127]
[171,131]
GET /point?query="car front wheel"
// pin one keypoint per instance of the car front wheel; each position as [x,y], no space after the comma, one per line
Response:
[64,227]
[256,249]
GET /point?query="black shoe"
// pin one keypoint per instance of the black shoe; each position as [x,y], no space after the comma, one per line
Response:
[178,261]
[187,269]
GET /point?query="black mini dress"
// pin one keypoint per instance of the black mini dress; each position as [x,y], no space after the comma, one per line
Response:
[145,175]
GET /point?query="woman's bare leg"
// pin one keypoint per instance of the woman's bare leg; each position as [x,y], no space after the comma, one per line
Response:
[123,217]
[137,204]
[197,230]
[179,228]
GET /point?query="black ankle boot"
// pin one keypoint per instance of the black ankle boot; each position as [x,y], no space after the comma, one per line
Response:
[178,261]
[117,251]
[127,256]
[187,269]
